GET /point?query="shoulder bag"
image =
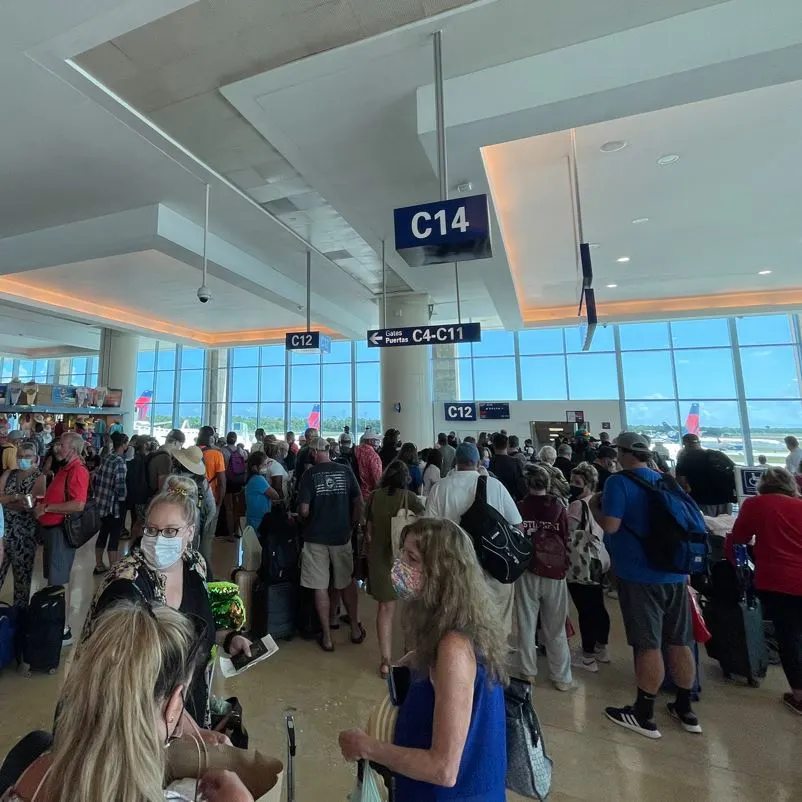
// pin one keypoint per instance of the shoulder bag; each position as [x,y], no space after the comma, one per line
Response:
[403,518]
[81,527]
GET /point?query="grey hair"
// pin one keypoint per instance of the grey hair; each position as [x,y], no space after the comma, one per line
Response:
[778,480]
[547,454]
[566,450]
[74,441]
[28,447]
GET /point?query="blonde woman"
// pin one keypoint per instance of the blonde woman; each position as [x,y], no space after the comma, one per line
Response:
[162,568]
[120,706]
[451,728]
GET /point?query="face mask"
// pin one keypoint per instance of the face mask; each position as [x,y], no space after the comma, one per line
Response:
[129,453]
[162,552]
[575,492]
[407,581]
[486,463]
[25,464]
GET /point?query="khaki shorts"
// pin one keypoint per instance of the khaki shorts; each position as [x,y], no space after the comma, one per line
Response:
[316,561]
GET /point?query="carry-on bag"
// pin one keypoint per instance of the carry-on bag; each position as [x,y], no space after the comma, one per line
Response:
[44,630]
[9,633]
[274,610]
[529,768]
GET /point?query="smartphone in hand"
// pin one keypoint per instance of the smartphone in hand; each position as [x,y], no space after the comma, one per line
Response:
[239,661]
[399,681]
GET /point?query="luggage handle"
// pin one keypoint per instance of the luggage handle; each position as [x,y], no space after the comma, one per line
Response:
[290,722]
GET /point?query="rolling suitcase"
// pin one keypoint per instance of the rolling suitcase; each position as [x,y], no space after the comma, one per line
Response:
[273,610]
[44,630]
[738,641]
[9,633]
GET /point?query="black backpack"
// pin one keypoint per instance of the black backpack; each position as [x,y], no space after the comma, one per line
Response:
[503,550]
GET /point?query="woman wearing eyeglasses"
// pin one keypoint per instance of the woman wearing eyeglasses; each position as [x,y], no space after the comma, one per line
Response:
[164,569]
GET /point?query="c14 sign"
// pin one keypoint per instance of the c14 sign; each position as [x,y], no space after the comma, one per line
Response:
[425,335]
[446,231]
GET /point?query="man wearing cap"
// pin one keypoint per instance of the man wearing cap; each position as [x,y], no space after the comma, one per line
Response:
[330,502]
[452,496]
[708,476]
[604,464]
[654,603]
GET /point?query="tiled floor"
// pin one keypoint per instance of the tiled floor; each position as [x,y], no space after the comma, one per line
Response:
[751,748]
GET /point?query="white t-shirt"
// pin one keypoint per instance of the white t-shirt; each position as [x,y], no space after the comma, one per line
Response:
[431,476]
[451,497]
[793,459]
[275,468]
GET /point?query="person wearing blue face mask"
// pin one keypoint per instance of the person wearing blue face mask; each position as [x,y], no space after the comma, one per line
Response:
[18,488]
[163,568]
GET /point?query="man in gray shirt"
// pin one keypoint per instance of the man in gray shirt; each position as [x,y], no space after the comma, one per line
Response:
[448,452]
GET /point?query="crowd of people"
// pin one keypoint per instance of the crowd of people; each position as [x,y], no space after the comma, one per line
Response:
[583,505]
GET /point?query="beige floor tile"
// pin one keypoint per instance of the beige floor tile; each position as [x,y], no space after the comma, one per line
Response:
[751,748]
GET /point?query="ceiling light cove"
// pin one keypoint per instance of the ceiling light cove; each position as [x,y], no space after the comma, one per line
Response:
[622,260]
[764,272]
[669,158]
[638,220]
[613,145]
[611,286]
[595,245]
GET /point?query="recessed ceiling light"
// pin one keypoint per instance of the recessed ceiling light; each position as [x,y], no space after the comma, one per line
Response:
[763,272]
[669,158]
[611,286]
[638,220]
[622,259]
[595,245]
[613,145]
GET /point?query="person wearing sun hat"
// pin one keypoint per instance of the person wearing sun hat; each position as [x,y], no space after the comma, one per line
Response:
[189,461]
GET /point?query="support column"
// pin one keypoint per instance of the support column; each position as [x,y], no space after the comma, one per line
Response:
[216,389]
[117,370]
[405,376]
[445,376]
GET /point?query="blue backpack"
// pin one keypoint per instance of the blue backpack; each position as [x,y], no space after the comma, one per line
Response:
[677,541]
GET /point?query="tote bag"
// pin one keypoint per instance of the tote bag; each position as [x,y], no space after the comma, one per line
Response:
[403,518]
[529,768]
[366,789]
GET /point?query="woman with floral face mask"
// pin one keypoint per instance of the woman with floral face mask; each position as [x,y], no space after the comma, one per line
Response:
[450,735]
[162,568]
[20,538]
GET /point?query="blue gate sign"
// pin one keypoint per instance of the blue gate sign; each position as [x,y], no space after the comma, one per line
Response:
[460,411]
[425,335]
[455,230]
[307,341]
[750,478]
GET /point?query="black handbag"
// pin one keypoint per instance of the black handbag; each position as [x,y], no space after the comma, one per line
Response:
[230,724]
[81,527]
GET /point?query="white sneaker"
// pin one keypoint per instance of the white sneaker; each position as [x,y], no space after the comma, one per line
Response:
[601,654]
[565,687]
[586,663]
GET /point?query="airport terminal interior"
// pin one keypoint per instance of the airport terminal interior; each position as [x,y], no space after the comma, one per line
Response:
[556,220]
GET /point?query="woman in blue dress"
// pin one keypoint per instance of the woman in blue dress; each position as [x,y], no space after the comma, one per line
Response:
[450,738]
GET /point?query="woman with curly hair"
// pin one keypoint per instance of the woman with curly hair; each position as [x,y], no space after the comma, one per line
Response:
[451,729]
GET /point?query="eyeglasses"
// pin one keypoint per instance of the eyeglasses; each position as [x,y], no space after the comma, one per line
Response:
[168,531]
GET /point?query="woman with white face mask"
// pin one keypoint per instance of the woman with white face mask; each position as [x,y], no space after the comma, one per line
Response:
[17,487]
[164,569]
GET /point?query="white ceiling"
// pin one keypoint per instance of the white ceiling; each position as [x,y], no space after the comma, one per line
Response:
[26,333]
[727,210]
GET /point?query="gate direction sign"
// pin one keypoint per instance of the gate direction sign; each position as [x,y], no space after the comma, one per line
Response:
[460,412]
[425,335]
[307,341]
[455,230]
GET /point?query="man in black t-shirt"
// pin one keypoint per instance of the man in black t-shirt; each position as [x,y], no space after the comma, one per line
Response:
[604,464]
[507,469]
[708,475]
[330,501]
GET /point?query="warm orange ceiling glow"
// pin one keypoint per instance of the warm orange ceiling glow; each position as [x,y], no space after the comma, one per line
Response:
[117,317]
[732,302]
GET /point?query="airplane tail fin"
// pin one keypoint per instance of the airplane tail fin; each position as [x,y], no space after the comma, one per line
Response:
[692,421]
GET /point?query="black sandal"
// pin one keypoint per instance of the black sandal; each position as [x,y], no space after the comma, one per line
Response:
[323,645]
[361,638]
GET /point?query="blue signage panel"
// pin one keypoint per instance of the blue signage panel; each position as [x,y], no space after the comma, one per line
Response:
[750,478]
[460,411]
[496,411]
[307,341]
[455,230]
[425,335]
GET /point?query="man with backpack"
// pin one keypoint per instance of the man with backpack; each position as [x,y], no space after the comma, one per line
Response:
[641,511]
[454,495]
[708,476]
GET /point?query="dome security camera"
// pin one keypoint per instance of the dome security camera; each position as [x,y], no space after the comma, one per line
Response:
[204,294]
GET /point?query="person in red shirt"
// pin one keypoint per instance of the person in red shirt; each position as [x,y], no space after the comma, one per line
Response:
[542,588]
[66,494]
[774,519]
